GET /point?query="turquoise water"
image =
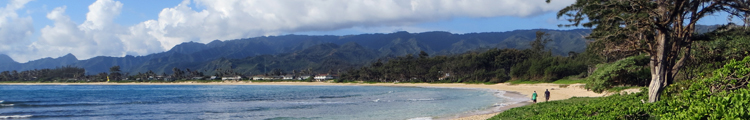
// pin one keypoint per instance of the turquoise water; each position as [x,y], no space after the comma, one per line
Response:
[237,102]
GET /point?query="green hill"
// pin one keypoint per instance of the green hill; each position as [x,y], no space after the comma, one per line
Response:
[199,56]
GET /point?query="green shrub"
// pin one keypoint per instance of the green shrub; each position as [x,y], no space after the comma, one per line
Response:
[547,69]
[605,108]
[722,96]
[631,71]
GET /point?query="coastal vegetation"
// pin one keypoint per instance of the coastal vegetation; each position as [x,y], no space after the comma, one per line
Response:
[724,95]
[60,74]
[693,75]
[662,29]
[491,66]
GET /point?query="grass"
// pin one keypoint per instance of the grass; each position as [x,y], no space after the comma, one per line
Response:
[605,108]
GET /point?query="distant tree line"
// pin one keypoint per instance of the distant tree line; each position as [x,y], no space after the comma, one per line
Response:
[491,66]
[60,74]
[77,74]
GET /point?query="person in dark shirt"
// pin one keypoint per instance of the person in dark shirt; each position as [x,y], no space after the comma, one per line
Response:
[546,95]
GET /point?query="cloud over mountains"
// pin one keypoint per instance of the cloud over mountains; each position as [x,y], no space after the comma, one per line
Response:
[99,35]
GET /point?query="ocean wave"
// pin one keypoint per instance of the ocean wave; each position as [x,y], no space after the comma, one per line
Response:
[340,96]
[504,104]
[320,103]
[6,105]
[68,104]
[421,118]
[15,116]
[426,99]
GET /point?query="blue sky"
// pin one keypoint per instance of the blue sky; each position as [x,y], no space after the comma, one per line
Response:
[88,28]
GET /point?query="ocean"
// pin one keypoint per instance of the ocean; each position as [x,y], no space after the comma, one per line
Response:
[254,102]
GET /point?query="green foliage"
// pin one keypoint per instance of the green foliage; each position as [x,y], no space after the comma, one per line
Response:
[548,68]
[60,74]
[605,108]
[620,88]
[486,67]
[716,50]
[114,73]
[726,95]
[491,66]
[542,66]
[722,96]
[631,71]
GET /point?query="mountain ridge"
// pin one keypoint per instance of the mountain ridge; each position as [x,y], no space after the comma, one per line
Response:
[190,54]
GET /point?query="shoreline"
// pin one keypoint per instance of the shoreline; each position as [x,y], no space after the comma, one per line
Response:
[515,93]
[511,100]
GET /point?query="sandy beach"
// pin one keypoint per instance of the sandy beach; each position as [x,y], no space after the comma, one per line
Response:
[557,91]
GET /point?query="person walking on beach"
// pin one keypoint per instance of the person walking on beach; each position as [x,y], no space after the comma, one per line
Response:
[533,97]
[546,95]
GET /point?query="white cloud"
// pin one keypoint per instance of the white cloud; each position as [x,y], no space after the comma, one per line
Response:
[232,19]
[13,28]
[101,14]
[97,36]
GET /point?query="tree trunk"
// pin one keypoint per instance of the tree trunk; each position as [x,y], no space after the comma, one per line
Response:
[659,68]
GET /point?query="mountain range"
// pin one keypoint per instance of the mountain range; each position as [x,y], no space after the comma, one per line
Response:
[307,52]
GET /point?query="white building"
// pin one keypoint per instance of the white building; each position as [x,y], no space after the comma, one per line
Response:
[303,77]
[288,77]
[232,78]
[322,77]
[259,77]
[272,78]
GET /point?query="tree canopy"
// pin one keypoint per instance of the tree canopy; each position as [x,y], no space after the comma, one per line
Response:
[663,29]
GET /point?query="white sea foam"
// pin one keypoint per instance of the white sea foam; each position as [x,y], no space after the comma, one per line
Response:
[1,101]
[422,118]
[15,116]
[317,103]
[427,99]
[6,105]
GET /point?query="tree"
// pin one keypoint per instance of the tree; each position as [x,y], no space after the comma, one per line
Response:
[114,72]
[542,38]
[423,54]
[15,75]
[177,73]
[150,74]
[5,76]
[101,77]
[663,29]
